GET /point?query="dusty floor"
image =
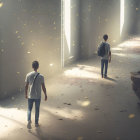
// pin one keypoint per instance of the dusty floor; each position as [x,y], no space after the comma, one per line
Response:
[81,105]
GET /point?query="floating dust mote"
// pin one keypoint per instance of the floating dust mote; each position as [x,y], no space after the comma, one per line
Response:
[2,50]
[1,4]
[51,64]
[17,32]
[131,116]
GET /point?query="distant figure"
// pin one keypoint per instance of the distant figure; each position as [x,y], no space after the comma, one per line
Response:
[105,54]
[34,81]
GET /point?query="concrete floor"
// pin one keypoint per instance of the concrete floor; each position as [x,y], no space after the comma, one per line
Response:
[81,105]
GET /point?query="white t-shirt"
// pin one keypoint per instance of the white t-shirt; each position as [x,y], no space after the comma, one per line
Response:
[35,91]
[107,50]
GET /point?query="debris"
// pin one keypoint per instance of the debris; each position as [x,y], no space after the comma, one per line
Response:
[60,119]
[96,108]
[80,138]
[131,116]
[17,32]
[99,131]
[86,97]
[123,110]
[67,103]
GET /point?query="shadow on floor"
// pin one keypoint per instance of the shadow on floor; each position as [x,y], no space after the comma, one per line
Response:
[111,79]
[42,135]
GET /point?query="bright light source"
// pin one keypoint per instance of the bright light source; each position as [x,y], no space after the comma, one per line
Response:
[65,29]
[121,15]
[67,22]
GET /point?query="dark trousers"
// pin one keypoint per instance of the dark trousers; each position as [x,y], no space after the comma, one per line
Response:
[104,62]
[30,106]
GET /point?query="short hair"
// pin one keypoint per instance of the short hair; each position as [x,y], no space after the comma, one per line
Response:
[35,65]
[105,37]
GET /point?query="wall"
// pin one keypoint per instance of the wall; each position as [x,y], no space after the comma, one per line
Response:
[137,8]
[129,27]
[73,54]
[97,18]
[132,19]
[29,30]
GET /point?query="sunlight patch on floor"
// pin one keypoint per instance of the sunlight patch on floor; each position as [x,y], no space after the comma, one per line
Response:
[89,68]
[135,42]
[87,73]
[81,73]
[10,119]
[120,54]
[66,113]
[117,49]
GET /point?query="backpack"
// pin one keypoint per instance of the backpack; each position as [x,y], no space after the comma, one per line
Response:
[101,49]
